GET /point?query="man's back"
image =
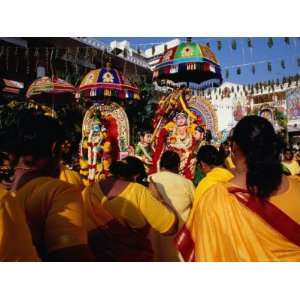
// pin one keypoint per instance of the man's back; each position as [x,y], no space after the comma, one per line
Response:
[54,211]
[176,191]
[15,238]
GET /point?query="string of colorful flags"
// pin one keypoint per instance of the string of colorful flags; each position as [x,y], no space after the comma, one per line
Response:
[49,54]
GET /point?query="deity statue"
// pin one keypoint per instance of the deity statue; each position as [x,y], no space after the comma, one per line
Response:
[183,138]
[95,154]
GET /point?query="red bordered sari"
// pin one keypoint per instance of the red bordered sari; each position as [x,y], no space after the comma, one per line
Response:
[229,225]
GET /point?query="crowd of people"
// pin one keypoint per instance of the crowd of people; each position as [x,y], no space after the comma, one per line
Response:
[245,205]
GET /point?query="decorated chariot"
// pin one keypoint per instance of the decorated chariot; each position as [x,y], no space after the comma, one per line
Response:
[105,128]
[182,115]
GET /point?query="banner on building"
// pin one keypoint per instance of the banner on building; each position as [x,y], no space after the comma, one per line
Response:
[293,104]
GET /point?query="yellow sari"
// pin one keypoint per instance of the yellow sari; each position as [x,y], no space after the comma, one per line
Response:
[213,177]
[15,238]
[118,227]
[216,175]
[225,229]
[70,176]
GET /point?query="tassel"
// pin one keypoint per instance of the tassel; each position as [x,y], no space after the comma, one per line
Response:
[107,93]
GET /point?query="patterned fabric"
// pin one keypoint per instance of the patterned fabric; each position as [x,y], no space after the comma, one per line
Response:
[49,85]
[188,62]
[108,82]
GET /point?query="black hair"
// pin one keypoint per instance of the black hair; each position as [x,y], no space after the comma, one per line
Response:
[199,128]
[258,141]
[170,160]
[210,155]
[222,151]
[287,149]
[36,134]
[129,167]
[119,168]
[208,135]
[225,143]
[145,131]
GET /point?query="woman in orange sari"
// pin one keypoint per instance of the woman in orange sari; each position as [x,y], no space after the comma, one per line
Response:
[256,215]
[121,211]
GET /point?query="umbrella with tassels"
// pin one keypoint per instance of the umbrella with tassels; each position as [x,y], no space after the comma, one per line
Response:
[108,82]
[51,90]
[189,62]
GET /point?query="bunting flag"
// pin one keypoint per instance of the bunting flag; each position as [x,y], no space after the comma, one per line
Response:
[287,40]
[233,44]
[269,67]
[249,43]
[226,74]
[270,42]
[12,57]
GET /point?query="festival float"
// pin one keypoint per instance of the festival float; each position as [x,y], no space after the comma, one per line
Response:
[182,113]
[105,128]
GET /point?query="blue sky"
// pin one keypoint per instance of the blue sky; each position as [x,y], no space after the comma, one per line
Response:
[261,54]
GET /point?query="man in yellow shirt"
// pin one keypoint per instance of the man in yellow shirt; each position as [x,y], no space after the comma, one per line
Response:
[53,208]
[290,163]
[209,161]
[178,192]
[15,238]
[121,211]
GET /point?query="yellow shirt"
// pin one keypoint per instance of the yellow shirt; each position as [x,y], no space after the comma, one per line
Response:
[178,192]
[70,176]
[55,214]
[135,205]
[229,163]
[223,229]
[15,238]
[292,166]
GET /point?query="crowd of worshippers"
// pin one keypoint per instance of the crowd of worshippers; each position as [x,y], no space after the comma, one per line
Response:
[244,207]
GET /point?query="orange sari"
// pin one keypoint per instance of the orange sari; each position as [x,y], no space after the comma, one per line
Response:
[229,225]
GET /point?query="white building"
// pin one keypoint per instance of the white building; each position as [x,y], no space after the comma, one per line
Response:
[229,102]
[233,100]
[154,53]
